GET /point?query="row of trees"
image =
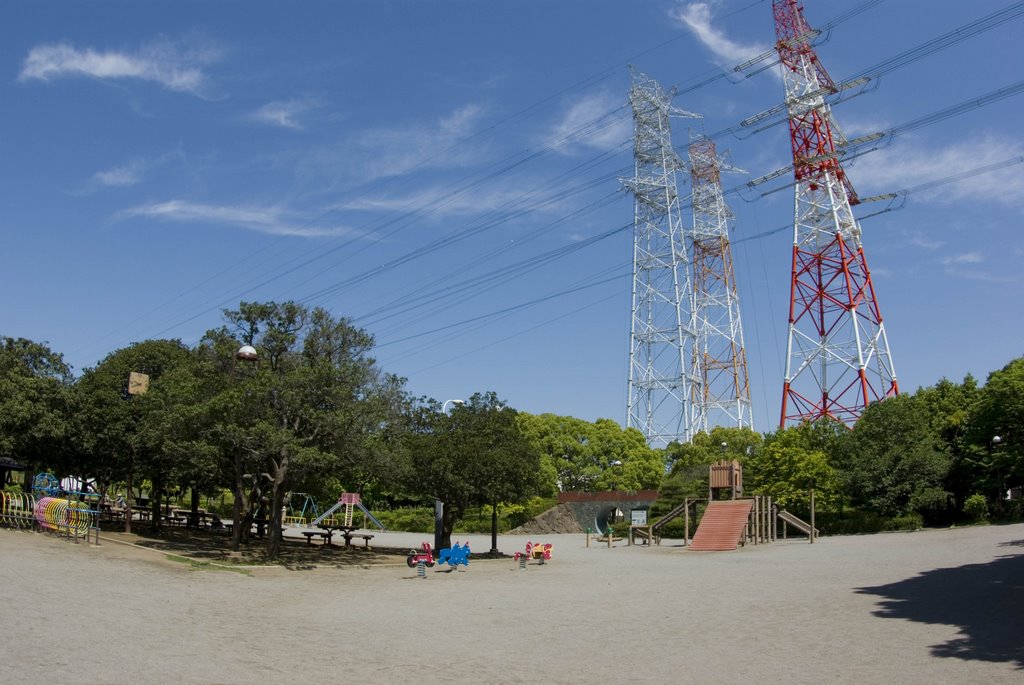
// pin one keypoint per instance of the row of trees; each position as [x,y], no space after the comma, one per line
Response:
[315,413]
[920,456]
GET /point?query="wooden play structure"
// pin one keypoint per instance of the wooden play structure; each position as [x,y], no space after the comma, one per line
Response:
[729,519]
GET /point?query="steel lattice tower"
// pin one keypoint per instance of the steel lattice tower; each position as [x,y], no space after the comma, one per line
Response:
[838,357]
[661,329]
[723,395]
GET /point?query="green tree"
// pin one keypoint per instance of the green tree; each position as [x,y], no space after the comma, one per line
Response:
[477,454]
[314,404]
[591,457]
[35,403]
[113,445]
[893,461]
[951,407]
[994,455]
[786,470]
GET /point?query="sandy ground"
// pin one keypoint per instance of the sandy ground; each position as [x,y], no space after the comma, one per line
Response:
[930,607]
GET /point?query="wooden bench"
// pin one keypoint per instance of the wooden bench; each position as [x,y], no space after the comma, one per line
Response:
[310,534]
[366,539]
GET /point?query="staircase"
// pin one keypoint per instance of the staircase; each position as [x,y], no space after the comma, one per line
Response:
[675,513]
[722,525]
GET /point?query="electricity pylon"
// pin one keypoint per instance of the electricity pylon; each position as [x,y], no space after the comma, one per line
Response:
[722,398]
[838,358]
[662,326]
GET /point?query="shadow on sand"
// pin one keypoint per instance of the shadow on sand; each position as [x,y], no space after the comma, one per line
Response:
[985,601]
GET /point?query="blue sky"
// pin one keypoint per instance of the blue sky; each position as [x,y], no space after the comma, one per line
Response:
[445,174]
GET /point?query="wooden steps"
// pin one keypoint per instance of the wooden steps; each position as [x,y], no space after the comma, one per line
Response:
[722,525]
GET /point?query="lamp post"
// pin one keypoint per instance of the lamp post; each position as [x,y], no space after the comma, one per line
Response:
[247,355]
[1000,485]
[438,504]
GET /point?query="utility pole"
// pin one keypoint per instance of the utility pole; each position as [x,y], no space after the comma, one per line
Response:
[662,327]
[837,353]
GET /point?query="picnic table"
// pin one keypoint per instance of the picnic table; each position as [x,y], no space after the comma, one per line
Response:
[184,516]
[327,533]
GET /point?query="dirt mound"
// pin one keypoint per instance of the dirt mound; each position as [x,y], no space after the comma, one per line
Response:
[558,519]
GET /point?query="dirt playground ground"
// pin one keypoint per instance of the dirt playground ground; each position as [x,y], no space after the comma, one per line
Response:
[930,607]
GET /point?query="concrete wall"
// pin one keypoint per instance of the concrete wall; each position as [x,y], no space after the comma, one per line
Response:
[594,509]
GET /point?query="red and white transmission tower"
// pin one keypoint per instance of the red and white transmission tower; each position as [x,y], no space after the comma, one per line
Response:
[838,357]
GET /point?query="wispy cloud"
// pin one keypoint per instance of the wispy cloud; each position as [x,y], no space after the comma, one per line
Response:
[919,239]
[271,220]
[174,67]
[977,275]
[284,113]
[123,175]
[914,164]
[438,201]
[696,16]
[598,120]
[964,258]
[397,151]
[967,265]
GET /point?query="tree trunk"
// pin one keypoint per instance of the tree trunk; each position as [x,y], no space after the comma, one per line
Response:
[451,515]
[238,511]
[276,505]
[193,518]
[155,500]
[131,498]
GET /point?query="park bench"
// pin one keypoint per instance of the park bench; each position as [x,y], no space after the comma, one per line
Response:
[310,534]
[366,538]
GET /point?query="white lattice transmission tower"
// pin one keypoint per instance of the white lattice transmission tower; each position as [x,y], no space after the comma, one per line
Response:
[722,398]
[662,327]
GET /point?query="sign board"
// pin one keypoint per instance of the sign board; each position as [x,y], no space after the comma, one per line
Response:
[638,517]
[138,383]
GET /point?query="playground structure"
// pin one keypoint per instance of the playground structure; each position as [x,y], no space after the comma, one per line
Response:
[297,515]
[44,508]
[17,509]
[347,503]
[67,517]
[455,555]
[727,523]
[422,556]
[540,551]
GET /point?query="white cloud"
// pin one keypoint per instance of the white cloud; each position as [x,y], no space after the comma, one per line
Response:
[127,174]
[910,165]
[598,120]
[397,151]
[974,275]
[437,202]
[271,220]
[175,68]
[696,16]
[921,240]
[964,258]
[283,113]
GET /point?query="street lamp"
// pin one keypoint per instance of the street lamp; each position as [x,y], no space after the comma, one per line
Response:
[438,504]
[248,355]
[1001,493]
